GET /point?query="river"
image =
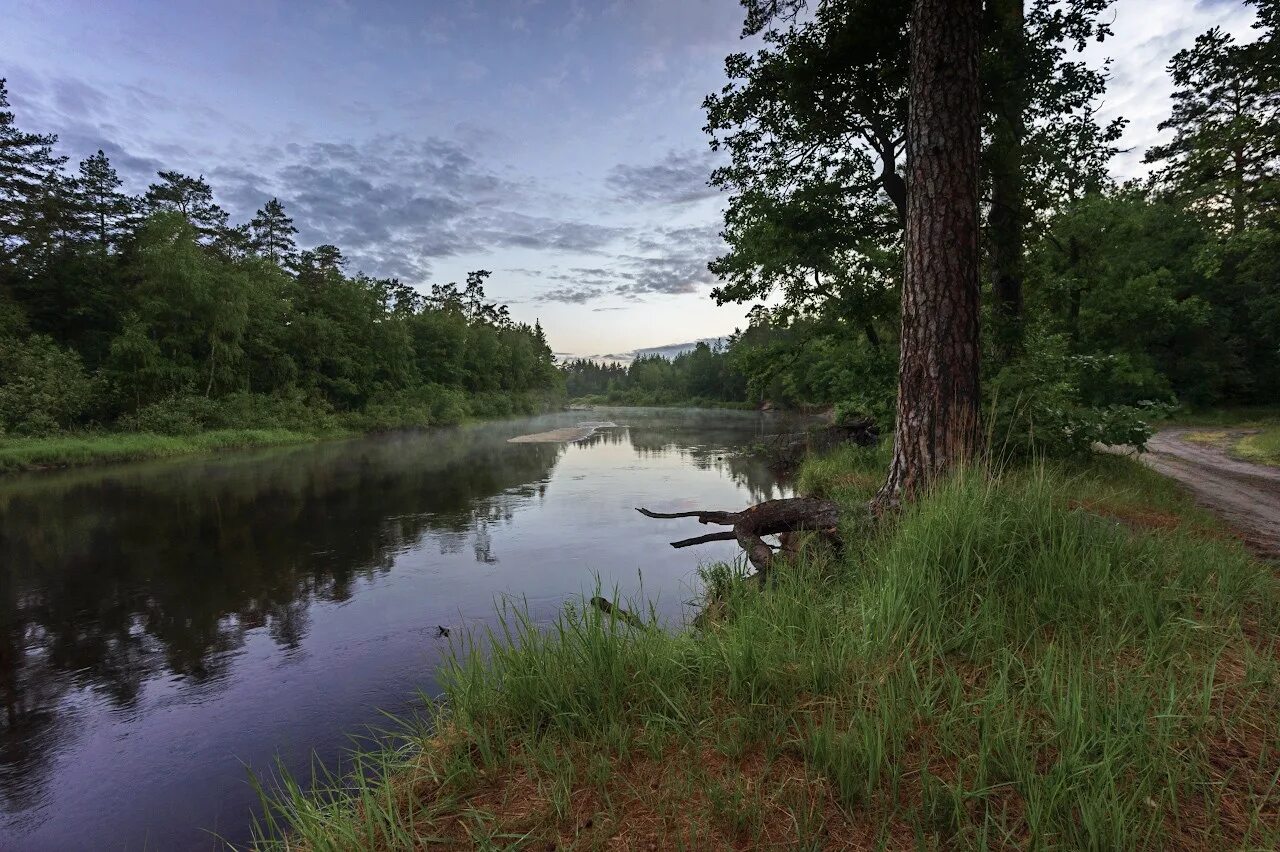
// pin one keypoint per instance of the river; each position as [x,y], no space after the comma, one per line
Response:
[169,627]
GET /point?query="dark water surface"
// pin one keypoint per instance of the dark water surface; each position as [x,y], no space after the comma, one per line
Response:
[164,627]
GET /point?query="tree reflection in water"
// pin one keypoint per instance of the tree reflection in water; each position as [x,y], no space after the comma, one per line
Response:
[112,577]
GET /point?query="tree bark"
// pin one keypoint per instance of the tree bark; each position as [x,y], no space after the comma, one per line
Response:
[1007,220]
[938,394]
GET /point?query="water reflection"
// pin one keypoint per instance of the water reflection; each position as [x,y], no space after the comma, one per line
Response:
[116,578]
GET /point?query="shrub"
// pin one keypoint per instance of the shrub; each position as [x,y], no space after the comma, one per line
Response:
[43,387]
[175,415]
[1037,405]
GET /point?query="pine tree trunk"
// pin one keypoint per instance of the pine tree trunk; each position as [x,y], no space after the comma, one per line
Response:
[1008,217]
[938,403]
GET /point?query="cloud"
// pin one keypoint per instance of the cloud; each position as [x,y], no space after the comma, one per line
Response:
[571,294]
[508,229]
[394,205]
[1140,87]
[678,178]
[665,275]
[674,262]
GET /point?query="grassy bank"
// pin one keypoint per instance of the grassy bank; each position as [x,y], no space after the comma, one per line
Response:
[17,454]
[1049,657]
[195,425]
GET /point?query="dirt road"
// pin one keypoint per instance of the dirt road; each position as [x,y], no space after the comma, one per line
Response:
[1245,495]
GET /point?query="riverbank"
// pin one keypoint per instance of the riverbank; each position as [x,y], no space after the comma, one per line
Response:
[60,451]
[1069,656]
[78,449]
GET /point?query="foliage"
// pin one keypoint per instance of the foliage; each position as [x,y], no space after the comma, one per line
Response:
[1039,405]
[1142,294]
[1224,158]
[43,387]
[814,124]
[185,322]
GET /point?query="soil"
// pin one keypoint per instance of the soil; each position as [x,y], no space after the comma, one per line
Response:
[1244,494]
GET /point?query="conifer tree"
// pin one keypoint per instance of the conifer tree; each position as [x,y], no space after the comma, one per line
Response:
[938,394]
[193,198]
[1224,157]
[27,163]
[272,234]
[104,209]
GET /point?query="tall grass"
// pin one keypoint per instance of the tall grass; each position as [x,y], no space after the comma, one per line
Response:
[1021,659]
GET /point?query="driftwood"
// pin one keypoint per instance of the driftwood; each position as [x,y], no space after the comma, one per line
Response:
[772,517]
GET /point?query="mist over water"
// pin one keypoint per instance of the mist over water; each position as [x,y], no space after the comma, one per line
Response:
[168,626]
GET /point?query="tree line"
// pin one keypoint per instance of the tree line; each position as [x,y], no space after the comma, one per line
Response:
[704,374]
[158,313]
[1099,301]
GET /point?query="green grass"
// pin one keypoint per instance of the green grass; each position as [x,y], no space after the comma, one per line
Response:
[95,448]
[1263,447]
[1046,657]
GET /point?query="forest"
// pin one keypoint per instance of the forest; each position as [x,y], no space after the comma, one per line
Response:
[703,375]
[1105,303]
[157,314]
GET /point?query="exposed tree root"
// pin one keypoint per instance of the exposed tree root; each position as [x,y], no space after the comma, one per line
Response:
[772,517]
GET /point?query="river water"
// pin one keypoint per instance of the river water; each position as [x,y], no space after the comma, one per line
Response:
[166,628]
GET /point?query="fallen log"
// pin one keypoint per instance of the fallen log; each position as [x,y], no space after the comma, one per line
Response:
[772,517]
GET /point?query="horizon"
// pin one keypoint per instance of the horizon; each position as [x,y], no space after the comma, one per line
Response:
[562,148]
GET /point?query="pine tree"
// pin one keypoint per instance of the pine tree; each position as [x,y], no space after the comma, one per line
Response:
[272,233]
[328,258]
[27,163]
[1225,154]
[105,210]
[193,198]
[938,395]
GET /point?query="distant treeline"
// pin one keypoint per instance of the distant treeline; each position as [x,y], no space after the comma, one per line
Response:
[157,313]
[703,374]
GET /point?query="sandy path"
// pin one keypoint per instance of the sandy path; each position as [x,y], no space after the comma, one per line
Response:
[1245,495]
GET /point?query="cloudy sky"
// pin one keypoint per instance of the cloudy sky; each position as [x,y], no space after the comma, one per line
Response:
[555,142]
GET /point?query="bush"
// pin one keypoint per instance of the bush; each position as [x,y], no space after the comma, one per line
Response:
[176,415]
[186,415]
[293,410]
[43,387]
[1037,405]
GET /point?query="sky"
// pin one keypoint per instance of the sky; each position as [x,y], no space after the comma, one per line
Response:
[557,143]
